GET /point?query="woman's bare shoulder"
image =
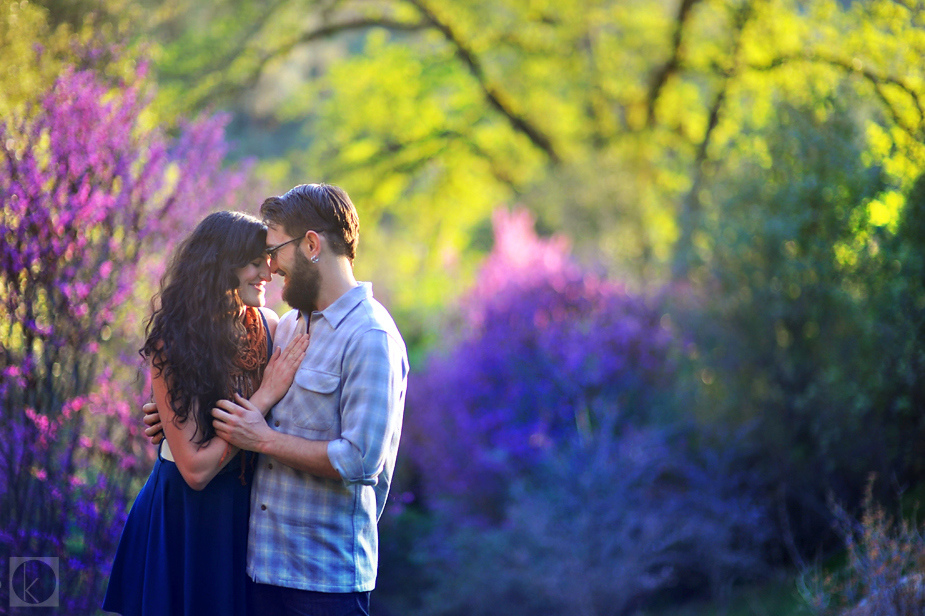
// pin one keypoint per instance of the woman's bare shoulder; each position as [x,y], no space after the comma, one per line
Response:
[272,320]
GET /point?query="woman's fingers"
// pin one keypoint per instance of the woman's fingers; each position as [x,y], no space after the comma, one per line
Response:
[298,345]
[296,349]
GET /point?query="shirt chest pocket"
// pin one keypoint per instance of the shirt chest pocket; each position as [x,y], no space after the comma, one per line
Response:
[319,398]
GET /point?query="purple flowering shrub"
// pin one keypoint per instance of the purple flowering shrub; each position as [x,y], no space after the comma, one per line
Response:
[92,199]
[550,458]
[547,353]
[609,526]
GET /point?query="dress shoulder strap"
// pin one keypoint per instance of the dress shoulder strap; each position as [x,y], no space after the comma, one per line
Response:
[266,328]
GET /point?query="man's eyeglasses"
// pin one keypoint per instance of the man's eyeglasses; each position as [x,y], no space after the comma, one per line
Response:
[272,250]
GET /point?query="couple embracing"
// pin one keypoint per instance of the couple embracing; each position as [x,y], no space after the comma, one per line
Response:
[280,433]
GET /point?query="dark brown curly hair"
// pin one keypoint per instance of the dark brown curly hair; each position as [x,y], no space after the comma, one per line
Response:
[195,333]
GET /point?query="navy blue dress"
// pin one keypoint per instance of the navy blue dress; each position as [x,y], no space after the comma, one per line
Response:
[183,552]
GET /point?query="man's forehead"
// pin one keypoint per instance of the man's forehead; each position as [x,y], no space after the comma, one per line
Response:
[275,235]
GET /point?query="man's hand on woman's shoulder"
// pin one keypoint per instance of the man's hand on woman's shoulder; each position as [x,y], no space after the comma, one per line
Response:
[152,419]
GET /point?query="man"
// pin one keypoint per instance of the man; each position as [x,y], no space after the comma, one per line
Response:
[328,447]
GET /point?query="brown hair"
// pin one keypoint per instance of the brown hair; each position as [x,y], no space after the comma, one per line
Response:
[322,208]
[195,335]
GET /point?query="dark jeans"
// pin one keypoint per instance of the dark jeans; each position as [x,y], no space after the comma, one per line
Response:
[269,600]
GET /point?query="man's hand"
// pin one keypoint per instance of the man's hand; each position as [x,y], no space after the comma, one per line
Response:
[241,424]
[154,431]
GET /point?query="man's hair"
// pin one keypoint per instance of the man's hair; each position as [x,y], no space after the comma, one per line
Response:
[316,207]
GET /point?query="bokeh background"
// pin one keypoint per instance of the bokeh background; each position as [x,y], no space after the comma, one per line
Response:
[660,265]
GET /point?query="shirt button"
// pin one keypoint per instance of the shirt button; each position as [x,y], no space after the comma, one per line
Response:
[270,465]
[276,423]
[263,507]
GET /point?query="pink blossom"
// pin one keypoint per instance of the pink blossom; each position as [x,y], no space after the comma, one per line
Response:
[85,224]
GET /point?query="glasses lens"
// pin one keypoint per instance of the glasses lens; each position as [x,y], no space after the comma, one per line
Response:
[272,250]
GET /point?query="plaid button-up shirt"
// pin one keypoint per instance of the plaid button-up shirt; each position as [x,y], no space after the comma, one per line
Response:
[320,534]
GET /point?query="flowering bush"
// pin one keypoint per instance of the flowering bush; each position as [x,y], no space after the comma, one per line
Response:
[547,353]
[92,197]
[608,527]
[545,447]
[883,574]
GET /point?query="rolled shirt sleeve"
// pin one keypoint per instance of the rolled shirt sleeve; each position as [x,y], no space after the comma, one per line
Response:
[372,401]
[309,532]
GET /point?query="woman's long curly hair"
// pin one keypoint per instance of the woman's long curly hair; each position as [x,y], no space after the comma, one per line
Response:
[195,331]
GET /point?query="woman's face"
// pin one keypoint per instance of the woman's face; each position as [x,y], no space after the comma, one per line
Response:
[253,278]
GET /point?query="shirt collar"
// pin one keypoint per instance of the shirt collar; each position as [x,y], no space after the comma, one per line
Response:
[344,305]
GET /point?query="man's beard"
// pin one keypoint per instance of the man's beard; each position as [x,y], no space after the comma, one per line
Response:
[302,285]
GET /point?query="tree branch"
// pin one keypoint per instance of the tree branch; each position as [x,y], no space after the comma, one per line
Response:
[392,152]
[223,62]
[876,79]
[689,217]
[494,96]
[497,99]
[661,76]
[322,32]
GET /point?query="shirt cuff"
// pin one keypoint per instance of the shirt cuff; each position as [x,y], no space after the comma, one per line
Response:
[347,461]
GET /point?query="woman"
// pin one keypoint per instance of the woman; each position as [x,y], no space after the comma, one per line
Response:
[183,548]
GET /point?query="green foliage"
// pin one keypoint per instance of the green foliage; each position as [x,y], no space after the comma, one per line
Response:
[774,598]
[617,122]
[34,51]
[384,136]
[809,325]
[765,156]
[20,27]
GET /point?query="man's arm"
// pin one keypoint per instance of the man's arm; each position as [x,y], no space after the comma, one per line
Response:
[371,403]
[375,377]
[152,419]
[277,378]
[242,424]
[199,463]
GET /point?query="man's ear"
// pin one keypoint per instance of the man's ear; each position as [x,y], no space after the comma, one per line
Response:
[312,243]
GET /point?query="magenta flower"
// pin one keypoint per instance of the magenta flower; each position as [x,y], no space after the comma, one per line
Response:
[90,208]
[549,353]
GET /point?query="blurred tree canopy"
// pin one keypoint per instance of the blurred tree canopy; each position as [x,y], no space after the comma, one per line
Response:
[758,163]
[611,120]
[34,50]
[758,152]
